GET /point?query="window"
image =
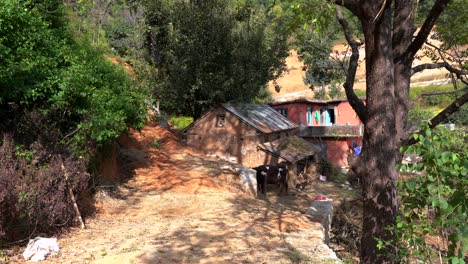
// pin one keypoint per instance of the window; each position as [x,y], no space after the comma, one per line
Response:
[283,112]
[327,117]
[220,120]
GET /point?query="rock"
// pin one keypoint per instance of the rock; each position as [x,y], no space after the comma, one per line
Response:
[248,180]
[227,167]
[322,212]
[309,243]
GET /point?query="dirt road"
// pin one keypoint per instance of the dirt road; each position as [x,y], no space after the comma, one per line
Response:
[181,207]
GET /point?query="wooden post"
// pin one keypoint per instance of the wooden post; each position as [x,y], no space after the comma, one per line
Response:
[70,191]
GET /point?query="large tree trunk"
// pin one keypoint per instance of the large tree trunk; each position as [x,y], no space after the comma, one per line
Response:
[390,50]
[403,29]
[380,153]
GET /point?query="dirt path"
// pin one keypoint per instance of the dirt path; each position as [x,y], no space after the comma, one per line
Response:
[182,208]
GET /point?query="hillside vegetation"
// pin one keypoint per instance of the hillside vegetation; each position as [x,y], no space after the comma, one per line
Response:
[61,102]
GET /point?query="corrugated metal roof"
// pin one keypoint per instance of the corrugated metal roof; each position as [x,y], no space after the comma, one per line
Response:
[292,149]
[261,116]
[280,101]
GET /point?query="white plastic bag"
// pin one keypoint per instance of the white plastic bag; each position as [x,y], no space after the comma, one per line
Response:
[39,248]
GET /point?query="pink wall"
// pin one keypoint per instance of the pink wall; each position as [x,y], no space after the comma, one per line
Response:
[347,114]
[297,112]
[338,149]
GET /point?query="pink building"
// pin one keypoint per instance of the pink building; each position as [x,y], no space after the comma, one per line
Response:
[333,125]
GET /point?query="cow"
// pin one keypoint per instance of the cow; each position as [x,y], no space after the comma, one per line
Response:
[272,174]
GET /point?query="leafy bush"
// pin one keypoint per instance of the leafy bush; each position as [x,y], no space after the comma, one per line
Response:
[63,101]
[33,192]
[433,203]
[43,67]
[433,100]
[460,117]
[417,116]
[181,122]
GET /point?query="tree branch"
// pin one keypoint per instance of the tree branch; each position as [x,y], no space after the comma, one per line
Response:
[355,102]
[351,5]
[446,65]
[437,9]
[442,116]
[446,92]
[459,73]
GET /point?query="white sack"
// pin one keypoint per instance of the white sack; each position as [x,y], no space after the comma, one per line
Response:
[39,248]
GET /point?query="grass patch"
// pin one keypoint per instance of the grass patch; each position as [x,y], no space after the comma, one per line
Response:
[415,92]
[360,93]
[156,143]
[181,122]
[296,257]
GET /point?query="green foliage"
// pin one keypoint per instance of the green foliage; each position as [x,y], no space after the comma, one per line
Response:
[460,117]
[416,92]
[210,52]
[453,23]
[418,115]
[360,93]
[62,100]
[335,91]
[323,67]
[156,143]
[43,67]
[433,202]
[181,122]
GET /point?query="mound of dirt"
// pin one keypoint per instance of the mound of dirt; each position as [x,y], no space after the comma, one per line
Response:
[165,164]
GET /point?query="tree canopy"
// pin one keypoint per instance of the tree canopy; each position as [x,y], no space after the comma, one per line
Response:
[210,52]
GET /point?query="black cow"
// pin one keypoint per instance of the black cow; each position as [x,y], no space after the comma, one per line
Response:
[271,174]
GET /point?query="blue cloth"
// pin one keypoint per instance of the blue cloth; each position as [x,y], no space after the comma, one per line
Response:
[326,118]
[309,116]
[356,150]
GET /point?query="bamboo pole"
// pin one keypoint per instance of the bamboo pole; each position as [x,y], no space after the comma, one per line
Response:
[70,191]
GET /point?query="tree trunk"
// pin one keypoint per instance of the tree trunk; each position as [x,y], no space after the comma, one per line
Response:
[403,29]
[380,153]
[390,51]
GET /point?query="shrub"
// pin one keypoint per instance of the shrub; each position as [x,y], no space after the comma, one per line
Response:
[33,192]
[332,172]
[461,116]
[417,116]
[181,122]
[433,203]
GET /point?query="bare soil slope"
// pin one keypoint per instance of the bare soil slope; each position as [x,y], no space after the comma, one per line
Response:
[292,82]
[181,207]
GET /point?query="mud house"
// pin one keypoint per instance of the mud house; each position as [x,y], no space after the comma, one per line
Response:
[332,125]
[250,134]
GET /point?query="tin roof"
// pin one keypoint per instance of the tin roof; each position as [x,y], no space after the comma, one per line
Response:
[280,101]
[292,149]
[261,116]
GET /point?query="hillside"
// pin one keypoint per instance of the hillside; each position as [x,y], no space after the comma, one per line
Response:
[292,84]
